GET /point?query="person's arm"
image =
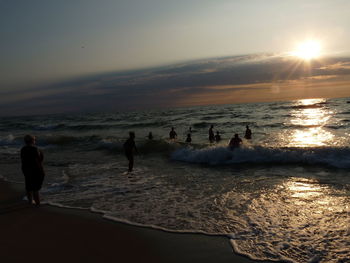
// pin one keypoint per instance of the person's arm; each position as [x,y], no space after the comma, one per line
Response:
[135,148]
[22,160]
[22,155]
[41,161]
[41,156]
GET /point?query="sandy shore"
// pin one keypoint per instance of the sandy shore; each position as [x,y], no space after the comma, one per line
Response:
[50,234]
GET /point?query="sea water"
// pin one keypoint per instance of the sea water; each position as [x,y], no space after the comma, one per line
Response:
[283,196]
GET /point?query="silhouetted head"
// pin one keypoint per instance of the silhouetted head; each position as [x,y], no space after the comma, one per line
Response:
[172,128]
[217,132]
[236,135]
[247,127]
[132,135]
[29,139]
[189,135]
[211,126]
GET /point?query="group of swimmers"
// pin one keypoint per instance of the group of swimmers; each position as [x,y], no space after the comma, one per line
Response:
[212,137]
[130,146]
[32,158]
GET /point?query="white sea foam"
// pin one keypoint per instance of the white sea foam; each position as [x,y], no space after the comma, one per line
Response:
[9,139]
[333,156]
[62,181]
[9,150]
[111,144]
[3,178]
[63,206]
[47,126]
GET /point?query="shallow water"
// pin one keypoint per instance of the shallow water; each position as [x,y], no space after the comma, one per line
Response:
[284,195]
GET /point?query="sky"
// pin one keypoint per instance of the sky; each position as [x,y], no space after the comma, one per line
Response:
[46,44]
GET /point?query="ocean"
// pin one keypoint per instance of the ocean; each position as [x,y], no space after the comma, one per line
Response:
[284,195]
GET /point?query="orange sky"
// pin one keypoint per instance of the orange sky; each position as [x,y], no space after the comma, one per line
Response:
[267,92]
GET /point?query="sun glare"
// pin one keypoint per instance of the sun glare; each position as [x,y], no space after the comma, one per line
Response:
[308,50]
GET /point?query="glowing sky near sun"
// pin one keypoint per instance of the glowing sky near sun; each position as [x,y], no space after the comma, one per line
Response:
[307,50]
[77,55]
[46,40]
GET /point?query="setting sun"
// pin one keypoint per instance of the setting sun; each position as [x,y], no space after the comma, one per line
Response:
[308,50]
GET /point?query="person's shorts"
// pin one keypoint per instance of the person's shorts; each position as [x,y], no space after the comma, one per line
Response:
[33,183]
[130,156]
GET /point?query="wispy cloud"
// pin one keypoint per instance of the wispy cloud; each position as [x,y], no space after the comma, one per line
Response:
[337,66]
[262,77]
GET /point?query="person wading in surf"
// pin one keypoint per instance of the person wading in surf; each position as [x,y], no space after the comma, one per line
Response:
[211,134]
[172,134]
[235,142]
[32,167]
[129,148]
[248,133]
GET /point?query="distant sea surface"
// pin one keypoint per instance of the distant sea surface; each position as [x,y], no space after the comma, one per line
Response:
[283,196]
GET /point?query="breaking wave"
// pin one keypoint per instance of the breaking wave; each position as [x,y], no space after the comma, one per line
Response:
[338,157]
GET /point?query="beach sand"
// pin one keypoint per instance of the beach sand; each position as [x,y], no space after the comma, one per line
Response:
[52,234]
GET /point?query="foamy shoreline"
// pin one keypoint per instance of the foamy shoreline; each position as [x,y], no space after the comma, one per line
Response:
[83,236]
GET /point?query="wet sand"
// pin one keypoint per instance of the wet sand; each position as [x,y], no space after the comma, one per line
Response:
[52,234]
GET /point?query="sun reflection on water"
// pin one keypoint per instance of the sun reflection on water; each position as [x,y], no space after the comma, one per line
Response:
[310,116]
[307,215]
[304,188]
[319,198]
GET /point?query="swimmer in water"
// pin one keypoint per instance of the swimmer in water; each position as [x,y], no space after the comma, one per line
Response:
[235,142]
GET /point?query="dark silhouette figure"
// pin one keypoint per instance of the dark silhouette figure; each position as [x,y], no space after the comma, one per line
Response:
[32,167]
[150,136]
[129,148]
[211,134]
[248,133]
[189,139]
[235,142]
[217,137]
[172,134]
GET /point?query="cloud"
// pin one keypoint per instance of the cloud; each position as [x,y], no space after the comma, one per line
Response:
[324,77]
[337,66]
[250,78]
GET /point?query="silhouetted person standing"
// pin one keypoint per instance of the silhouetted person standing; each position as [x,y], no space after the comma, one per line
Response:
[211,133]
[217,136]
[129,148]
[32,167]
[235,142]
[150,136]
[172,134]
[248,133]
[189,139]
